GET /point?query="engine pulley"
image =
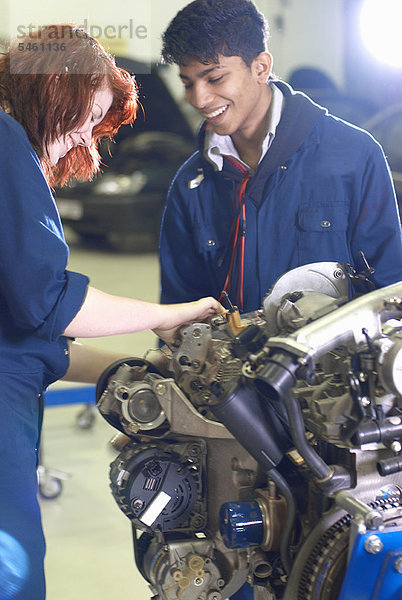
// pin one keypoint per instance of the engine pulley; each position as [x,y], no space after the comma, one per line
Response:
[126,397]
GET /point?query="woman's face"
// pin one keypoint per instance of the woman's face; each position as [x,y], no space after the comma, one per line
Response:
[103,99]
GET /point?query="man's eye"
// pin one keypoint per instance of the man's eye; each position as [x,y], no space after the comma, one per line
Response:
[187,86]
[215,80]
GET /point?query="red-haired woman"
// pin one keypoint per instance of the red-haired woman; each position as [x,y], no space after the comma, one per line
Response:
[60,92]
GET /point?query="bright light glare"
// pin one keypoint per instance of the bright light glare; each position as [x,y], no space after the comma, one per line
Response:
[380,24]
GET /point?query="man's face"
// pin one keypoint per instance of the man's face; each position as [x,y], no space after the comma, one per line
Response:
[229,95]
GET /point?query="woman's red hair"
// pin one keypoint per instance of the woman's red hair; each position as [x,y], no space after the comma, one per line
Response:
[47,83]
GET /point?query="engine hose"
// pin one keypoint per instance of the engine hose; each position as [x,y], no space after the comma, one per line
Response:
[296,425]
[283,487]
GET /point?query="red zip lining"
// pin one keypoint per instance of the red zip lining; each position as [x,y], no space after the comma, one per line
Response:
[238,234]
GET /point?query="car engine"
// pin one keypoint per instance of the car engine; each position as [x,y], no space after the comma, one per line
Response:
[265,448]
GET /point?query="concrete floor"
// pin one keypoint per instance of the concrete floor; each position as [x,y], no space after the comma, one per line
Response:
[89,547]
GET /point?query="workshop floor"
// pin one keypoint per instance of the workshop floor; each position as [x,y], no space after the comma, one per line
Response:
[89,546]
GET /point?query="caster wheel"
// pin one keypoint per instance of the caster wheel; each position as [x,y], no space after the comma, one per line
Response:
[50,487]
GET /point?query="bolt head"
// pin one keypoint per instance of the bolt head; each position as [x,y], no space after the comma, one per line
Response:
[160,388]
[374,519]
[398,565]
[373,544]
[194,450]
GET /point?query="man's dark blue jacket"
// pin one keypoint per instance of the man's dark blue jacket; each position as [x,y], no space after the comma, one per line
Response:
[323,192]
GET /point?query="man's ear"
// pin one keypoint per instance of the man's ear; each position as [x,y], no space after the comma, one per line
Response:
[262,66]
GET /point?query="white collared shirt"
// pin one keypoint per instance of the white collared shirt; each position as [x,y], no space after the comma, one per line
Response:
[216,146]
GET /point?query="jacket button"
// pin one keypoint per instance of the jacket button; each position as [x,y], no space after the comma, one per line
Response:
[211,243]
[283,167]
[325,223]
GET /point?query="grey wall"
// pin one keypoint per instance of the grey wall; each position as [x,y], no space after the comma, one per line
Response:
[303,32]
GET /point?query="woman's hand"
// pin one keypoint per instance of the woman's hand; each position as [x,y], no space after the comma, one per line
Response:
[176,315]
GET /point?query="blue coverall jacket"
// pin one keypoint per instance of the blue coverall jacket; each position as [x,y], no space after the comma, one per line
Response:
[323,192]
[38,299]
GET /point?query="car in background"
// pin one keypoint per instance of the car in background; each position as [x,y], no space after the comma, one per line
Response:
[122,207]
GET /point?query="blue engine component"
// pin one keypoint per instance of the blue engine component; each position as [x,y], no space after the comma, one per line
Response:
[375,567]
[241,524]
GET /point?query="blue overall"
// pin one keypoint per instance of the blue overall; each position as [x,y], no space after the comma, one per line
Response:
[323,192]
[38,299]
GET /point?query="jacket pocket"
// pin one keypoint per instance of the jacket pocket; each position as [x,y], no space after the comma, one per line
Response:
[323,228]
[323,218]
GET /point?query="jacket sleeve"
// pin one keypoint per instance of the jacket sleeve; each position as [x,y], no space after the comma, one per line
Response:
[376,226]
[183,270]
[38,291]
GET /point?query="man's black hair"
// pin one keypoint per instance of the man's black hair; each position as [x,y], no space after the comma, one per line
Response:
[206,28]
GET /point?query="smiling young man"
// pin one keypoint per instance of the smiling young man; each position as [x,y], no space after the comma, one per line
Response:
[233,98]
[277,181]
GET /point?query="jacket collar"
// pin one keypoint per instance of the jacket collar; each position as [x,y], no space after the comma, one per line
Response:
[300,115]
